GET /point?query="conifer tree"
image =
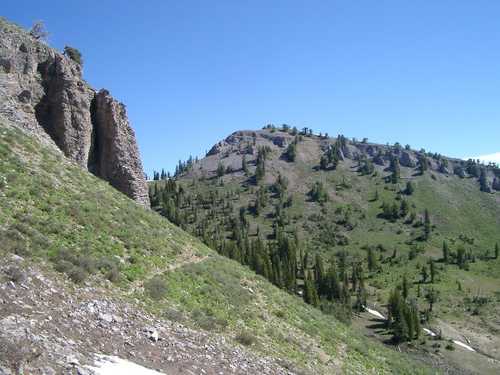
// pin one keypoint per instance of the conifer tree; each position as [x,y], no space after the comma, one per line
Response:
[405,287]
[432,267]
[396,170]
[427,225]
[446,252]
[244,164]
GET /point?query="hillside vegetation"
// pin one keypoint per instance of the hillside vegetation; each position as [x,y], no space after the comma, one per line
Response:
[52,211]
[348,223]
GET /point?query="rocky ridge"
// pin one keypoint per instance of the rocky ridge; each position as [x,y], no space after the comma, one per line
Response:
[230,152]
[42,92]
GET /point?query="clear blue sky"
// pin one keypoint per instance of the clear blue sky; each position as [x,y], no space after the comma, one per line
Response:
[425,73]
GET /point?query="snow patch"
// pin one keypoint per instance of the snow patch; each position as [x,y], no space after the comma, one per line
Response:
[374,313]
[111,365]
[464,345]
[429,332]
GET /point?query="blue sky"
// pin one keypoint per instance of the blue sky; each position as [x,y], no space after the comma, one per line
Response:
[425,73]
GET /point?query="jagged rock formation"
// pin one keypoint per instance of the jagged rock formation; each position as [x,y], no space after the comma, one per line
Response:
[43,92]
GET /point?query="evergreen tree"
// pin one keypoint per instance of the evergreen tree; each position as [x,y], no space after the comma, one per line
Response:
[371,260]
[497,250]
[409,188]
[446,252]
[291,151]
[423,163]
[424,274]
[427,225]
[319,276]
[405,287]
[461,257]
[244,165]
[432,267]
[431,297]
[220,170]
[396,170]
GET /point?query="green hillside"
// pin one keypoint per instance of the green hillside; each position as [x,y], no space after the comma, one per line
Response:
[344,221]
[51,210]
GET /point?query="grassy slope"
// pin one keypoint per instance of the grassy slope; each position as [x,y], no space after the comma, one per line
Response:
[456,206]
[48,203]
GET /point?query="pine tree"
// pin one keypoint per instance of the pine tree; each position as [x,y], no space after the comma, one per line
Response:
[291,151]
[409,188]
[404,208]
[461,257]
[244,164]
[497,250]
[427,225]
[319,275]
[424,274]
[446,252]
[431,297]
[405,287]
[371,260]
[432,267]
[396,170]
[220,170]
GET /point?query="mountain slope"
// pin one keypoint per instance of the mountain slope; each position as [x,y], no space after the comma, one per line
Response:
[60,217]
[215,199]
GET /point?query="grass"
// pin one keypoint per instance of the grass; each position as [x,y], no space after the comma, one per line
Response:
[50,209]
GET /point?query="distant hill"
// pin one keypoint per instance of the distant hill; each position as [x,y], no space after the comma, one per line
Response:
[380,211]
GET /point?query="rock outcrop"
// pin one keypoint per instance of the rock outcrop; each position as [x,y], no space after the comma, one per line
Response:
[496,184]
[43,93]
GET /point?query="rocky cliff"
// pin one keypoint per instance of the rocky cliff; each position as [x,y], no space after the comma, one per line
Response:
[43,92]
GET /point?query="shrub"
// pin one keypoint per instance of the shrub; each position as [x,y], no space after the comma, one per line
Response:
[73,54]
[246,338]
[156,288]
[77,274]
[449,346]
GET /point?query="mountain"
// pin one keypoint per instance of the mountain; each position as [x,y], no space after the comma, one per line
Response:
[87,271]
[42,92]
[90,278]
[309,211]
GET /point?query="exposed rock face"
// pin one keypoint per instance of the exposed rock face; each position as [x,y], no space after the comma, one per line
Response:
[42,92]
[496,184]
[114,157]
[407,160]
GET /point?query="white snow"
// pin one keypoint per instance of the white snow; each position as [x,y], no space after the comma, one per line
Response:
[374,312]
[429,332]
[459,343]
[111,365]
[464,345]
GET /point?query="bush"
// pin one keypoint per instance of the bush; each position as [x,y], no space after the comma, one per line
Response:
[449,346]
[246,338]
[73,54]
[77,274]
[156,288]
